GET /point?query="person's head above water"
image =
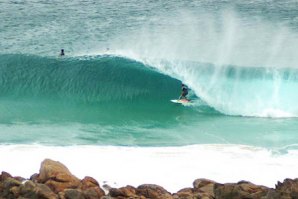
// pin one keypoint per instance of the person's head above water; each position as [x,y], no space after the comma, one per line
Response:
[62,52]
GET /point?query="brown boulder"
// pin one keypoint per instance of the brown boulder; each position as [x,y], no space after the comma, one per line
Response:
[124,192]
[55,175]
[91,188]
[88,182]
[204,186]
[186,193]
[240,190]
[287,189]
[153,192]
[190,193]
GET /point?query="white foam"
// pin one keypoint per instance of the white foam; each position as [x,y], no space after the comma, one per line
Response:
[275,113]
[171,167]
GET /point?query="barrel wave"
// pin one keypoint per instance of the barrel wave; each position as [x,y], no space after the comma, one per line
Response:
[109,87]
[244,91]
[102,86]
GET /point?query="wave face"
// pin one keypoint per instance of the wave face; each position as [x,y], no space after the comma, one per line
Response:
[91,80]
[90,85]
[111,83]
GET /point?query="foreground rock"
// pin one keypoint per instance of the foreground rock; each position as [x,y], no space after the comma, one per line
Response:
[55,181]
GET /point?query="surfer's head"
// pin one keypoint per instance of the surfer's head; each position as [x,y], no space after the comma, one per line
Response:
[62,52]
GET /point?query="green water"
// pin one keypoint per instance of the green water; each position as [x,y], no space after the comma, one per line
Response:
[126,60]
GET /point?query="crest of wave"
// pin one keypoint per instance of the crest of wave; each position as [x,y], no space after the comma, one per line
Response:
[238,65]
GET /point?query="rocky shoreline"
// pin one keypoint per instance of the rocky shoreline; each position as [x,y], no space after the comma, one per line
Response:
[55,181]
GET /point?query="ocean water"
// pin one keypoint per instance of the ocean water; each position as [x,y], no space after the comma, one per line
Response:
[104,108]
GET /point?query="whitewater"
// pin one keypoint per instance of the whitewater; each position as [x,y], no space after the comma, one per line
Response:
[104,108]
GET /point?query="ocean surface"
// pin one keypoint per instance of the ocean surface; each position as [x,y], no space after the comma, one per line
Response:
[104,108]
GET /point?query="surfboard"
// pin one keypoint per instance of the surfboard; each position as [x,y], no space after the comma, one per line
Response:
[181,101]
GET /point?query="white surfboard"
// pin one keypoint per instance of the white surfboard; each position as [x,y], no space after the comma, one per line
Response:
[181,101]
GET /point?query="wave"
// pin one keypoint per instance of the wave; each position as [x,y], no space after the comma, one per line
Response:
[88,79]
[112,83]
[84,89]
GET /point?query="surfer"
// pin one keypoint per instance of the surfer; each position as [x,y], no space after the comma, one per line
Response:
[62,52]
[184,92]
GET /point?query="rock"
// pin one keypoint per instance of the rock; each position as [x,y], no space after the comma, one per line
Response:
[240,190]
[55,175]
[34,177]
[4,175]
[106,188]
[91,188]
[57,186]
[27,188]
[125,192]
[287,189]
[88,182]
[15,191]
[10,182]
[190,193]
[93,193]
[272,194]
[19,178]
[71,194]
[204,186]
[153,192]
[186,193]
[9,187]
[36,190]
[202,182]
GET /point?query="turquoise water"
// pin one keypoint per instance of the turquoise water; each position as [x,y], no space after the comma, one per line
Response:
[126,60]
